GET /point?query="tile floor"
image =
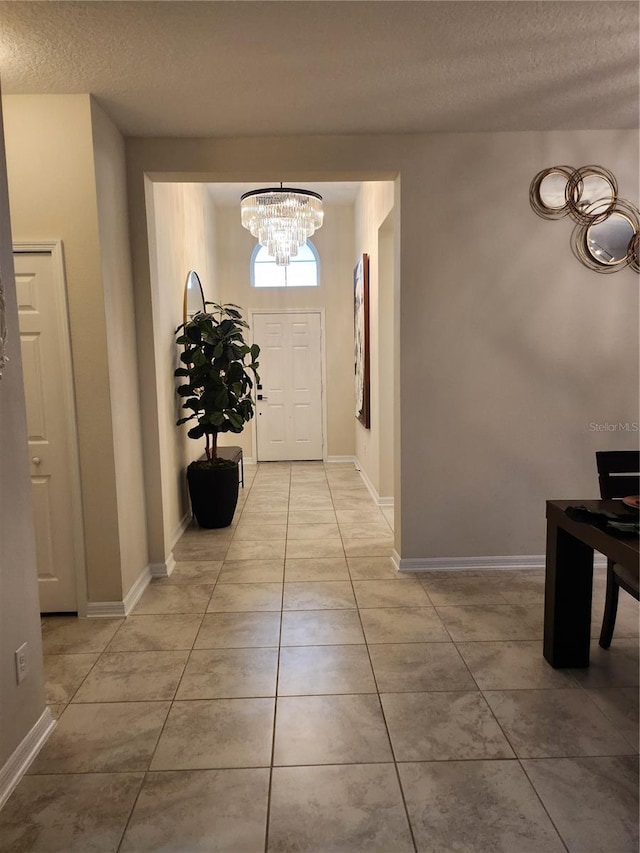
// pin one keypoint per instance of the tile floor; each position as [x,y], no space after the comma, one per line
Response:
[284,690]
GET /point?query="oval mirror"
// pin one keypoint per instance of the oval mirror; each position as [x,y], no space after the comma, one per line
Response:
[193,297]
[608,242]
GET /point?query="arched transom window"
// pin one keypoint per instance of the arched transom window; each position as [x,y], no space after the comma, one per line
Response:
[303,269]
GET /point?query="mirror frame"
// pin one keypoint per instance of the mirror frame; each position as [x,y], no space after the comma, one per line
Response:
[588,213]
[595,210]
[535,199]
[191,276]
[580,246]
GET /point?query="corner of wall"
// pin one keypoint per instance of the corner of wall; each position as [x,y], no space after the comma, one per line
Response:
[21,705]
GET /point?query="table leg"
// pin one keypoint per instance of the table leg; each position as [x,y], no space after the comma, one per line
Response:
[567,599]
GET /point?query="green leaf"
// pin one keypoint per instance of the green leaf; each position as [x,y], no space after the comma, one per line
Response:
[217,383]
[193,333]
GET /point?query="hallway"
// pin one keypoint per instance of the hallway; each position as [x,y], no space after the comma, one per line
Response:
[413,713]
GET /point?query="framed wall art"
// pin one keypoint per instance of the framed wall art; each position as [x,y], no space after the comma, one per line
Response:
[361,338]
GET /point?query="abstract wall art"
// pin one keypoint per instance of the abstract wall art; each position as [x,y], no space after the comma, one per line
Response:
[361,336]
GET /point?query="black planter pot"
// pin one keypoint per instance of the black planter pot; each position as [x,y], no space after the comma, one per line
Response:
[214,494]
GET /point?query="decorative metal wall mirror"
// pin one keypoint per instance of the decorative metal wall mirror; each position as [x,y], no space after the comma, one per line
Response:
[193,301]
[606,235]
[547,192]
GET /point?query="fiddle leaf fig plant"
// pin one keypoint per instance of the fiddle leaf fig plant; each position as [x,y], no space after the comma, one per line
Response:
[219,368]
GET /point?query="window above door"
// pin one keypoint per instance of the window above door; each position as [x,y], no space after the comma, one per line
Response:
[303,269]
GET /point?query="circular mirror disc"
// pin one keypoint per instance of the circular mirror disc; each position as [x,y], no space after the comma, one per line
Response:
[595,188]
[608,242]
[552,189]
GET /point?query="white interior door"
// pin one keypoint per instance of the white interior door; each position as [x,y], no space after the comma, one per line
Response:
[46,366]
[289,415]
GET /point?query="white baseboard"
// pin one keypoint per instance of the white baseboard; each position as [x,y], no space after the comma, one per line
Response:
[468,564]
[111,609]
[163,570]
[18,763]
[340,460]
[380,501]
[177,533]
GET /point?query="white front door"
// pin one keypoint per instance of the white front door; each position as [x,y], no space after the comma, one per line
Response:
[289,415]
[46,366]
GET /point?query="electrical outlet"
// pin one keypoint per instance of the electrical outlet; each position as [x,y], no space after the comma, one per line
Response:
[21,663]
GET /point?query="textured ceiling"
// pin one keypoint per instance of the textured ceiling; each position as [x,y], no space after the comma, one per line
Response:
[266,68]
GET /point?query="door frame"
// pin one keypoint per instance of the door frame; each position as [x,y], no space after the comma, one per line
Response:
[54,249]
[323,369]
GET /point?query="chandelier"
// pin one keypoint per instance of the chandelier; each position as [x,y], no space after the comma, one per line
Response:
[281,219]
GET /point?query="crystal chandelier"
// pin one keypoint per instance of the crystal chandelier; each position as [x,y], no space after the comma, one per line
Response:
[281,218]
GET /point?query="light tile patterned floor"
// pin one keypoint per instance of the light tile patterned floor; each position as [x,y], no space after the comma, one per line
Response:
[286,690]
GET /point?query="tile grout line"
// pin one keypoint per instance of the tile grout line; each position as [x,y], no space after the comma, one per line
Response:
[105,651]
[544,808]
[275,699]
[164,725]
[384,719]
[171,704]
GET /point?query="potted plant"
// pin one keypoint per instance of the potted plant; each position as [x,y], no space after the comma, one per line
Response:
[218,394]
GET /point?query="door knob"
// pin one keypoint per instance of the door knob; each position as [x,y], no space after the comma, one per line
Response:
[36,460]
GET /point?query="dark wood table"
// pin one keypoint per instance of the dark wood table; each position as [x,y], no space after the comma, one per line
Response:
[569,578]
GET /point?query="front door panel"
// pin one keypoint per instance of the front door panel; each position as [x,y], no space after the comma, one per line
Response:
[289,417]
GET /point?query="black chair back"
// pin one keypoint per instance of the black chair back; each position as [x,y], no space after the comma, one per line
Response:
[618,473]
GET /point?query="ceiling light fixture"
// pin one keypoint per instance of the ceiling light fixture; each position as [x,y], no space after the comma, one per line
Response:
[281,219]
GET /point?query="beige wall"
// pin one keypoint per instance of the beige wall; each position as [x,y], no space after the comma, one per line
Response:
[334,242]
[20,705]
[373,207]
[115,255]
[508,347]
[386,365]
[182,237]
[514,347]
[52,191]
